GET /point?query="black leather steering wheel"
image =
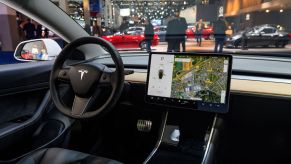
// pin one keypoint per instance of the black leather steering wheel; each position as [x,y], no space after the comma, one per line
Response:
[87,80]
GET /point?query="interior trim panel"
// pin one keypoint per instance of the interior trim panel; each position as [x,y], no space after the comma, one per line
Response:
[19,126]
[15,78]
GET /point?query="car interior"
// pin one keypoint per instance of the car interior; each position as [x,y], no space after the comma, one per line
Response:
[94,105]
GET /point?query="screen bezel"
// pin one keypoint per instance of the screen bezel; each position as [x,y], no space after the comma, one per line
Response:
[195,104]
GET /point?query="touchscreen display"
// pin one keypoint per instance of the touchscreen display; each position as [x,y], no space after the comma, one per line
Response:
[190,81]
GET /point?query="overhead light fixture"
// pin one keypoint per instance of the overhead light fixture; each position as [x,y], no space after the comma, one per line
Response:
[267,11]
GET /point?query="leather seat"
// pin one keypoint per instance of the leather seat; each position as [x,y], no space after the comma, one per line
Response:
[63,156]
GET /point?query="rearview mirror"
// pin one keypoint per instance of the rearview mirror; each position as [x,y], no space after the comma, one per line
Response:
[37,50]
[262,33]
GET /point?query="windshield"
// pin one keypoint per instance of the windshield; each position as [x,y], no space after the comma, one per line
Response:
[230,26]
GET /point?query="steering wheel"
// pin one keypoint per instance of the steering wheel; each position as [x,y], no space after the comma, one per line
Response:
[87,80]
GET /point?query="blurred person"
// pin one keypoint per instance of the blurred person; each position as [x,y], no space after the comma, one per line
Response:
[44,55]
[20,28]
[106,31]
[41,31]
[44,32]
[233,28]
[34,51]
[170,35]
[38,31]
[220,26]
[244,41]
[124,25]
[182,28]
[97,31]
[149,34]
[176,33]
[18,20]
[29,30]
[199,31]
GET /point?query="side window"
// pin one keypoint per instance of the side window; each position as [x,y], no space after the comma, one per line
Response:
[139,32]
[10,34]
[274,30]
[131,29]
[133,33]
[17,28]
[268,30]
[139,29]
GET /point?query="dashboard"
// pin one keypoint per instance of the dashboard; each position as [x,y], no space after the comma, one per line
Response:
[255,99]
[257,75]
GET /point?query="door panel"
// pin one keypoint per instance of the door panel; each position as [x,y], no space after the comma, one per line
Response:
[117,40]
[19,122]
[131,40]
[19,107]
[28,119]
[22,88]
[267,36]
[254,40]
[15,78]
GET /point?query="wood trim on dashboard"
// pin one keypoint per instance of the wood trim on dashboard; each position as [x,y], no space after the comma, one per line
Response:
[136,77]
[238,85]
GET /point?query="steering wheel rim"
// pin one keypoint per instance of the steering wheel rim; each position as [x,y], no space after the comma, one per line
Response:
[116,80]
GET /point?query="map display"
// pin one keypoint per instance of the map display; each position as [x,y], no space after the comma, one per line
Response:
[197,78]
[201,78]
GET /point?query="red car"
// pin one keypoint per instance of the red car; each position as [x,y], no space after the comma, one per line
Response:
[130,39]
[207,32]
[27,55]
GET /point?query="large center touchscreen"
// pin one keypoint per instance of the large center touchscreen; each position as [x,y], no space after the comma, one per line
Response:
[190,81]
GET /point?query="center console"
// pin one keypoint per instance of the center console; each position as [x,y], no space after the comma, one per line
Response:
[195,89]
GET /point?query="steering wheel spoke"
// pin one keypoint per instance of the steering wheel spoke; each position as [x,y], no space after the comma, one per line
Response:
[80,105]
[63,75]
[107,78]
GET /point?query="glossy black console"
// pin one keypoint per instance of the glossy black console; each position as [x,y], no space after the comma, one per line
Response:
[187,139]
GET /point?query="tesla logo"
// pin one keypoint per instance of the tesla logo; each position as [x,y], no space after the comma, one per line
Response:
[82,71]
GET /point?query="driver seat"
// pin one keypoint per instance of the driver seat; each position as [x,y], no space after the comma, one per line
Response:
[63,156]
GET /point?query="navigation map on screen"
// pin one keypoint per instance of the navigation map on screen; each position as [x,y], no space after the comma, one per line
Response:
[197,78]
